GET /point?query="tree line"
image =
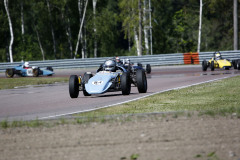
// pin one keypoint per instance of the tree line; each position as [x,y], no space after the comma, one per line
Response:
[62,29]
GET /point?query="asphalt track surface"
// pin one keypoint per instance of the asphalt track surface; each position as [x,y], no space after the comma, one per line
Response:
[53,101]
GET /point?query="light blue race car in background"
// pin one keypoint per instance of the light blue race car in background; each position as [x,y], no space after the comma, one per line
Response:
[111,78]
[24,70]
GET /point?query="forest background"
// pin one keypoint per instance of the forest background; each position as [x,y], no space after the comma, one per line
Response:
[48,29]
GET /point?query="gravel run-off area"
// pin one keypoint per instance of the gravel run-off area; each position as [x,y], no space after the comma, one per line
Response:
[152,137]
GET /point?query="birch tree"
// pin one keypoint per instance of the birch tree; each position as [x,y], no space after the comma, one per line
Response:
[150,25]
[11,30]
[80,6]
[140,27]
[235,24]
[66,20]
[39,43]
[69,34]
[130,15]
[85,40]
[22,21]
[94,27]
[80,29]
[52,30]
[136,41]
[200,27]
[146,35]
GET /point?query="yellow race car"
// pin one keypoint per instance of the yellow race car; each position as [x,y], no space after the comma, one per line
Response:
[216,62]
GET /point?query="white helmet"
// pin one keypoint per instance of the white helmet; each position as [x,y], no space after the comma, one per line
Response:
[26,64]
[117,59]
[127,61]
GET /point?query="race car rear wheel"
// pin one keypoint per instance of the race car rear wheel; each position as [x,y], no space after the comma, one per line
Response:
[204,65]
[86,77]
[148,68]
[73,86]
[141,81]
[10,72]
[234,64]
[125,83]
[36,72]
[212,65]
[238,64]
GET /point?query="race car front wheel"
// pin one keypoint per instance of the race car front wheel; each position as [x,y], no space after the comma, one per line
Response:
[10,72]
[36,72]
[148,68]
[125,83]
[73,86]
[212,65]
[141,81]
[204,65]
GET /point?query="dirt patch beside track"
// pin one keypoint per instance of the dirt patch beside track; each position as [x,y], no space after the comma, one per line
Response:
[152,137]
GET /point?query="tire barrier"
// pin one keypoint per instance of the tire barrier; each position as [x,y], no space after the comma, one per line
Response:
[191,58]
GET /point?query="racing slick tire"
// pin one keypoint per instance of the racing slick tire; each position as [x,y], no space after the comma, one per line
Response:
[125,83]
[73,86]
[204,65]
[86,77]
[10,72]
[238,64]
[234,64]
[36,72]
[212,65]
[141,81]
[148,68]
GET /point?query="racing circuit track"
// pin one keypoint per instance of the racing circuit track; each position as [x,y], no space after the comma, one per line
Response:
[51,101]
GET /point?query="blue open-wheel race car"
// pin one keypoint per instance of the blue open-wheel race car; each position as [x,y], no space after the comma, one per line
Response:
[24,70]
[111,77]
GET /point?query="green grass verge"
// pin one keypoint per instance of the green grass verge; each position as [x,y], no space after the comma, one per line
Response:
[220,97]
[10,83]
[34,123]
[216,98]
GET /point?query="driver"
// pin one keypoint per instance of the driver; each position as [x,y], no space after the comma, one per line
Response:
[118,61]
[218,56]
[127,62]
[26,65]
[110,65]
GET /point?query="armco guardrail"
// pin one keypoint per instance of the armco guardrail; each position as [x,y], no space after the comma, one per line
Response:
[225,54]
[154,60]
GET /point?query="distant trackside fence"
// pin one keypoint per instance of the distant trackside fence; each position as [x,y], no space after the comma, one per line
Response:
[153,60]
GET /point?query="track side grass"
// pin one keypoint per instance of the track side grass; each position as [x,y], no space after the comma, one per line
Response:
[215,98]
[10,83]
[220,97]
